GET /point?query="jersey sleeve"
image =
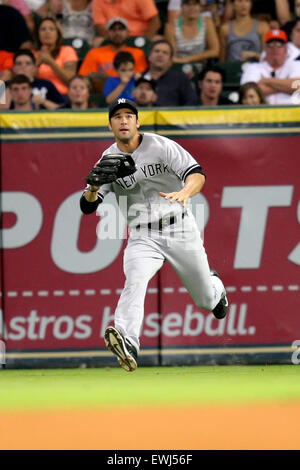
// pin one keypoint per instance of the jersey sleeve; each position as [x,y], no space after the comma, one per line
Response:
[181,161]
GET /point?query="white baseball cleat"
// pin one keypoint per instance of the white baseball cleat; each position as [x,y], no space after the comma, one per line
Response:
[118,345]
[221,308]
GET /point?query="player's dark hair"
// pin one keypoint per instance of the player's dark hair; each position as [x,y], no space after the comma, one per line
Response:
[214,69]
[162,41]
[123,58]
[26,52]
[18,79]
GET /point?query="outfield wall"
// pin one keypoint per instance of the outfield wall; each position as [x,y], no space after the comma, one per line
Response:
[60,283]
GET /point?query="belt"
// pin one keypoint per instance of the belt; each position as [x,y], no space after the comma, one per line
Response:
[161,223]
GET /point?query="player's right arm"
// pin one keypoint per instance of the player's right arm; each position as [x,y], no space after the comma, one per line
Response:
[99,177]
[90,199]
[91,194]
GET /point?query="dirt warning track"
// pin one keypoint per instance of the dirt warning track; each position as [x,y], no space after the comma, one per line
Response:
[261,426]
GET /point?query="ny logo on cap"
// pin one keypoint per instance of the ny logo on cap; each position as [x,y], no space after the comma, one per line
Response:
[121,100]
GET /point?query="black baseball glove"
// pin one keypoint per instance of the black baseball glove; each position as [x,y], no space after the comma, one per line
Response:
[110,168]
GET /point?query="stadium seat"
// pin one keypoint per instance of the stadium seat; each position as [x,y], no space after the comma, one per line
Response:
[233,72]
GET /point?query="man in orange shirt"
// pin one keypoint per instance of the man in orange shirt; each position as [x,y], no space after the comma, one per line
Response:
[142,16]
[98,63]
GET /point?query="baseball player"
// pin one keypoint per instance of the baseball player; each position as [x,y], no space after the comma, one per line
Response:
[158,177]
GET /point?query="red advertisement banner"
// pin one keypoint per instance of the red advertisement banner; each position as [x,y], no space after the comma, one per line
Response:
[61,283]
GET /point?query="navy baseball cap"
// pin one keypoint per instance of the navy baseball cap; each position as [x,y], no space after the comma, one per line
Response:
[122,103]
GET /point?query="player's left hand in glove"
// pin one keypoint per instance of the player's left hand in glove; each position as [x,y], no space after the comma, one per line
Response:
[110,168]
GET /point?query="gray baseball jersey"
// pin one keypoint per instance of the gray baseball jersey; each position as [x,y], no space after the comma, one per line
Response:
[162,165]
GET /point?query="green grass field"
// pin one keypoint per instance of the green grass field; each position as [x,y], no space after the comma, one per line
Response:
[55,388]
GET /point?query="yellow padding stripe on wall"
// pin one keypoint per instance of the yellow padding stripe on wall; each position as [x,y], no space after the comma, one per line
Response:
[13,120]
[228,116]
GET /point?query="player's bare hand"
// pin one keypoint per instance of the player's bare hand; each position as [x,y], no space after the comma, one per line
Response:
[180,196]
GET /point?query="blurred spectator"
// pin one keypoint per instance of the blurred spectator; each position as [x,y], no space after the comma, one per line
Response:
[194,38]
[142,16]
[242,38]
[287,27]
[144,93]
[55,62]
[173,88]
[211,8]
[294,44]
[122,85]
[36,5]
[45,9]
[77,20]
[276,76]
[23,8]
[14,32]
[211,81]
[44,93]
[6,65]
[276,12]
[21,93]
[79,93]
[250,94]
[98,63]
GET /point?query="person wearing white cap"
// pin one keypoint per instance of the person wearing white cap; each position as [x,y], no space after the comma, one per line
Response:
[276,76]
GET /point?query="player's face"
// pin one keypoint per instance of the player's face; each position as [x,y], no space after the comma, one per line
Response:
[211,85]
[25,66]
[20,93]
[117,34]
[251,98]
[78,91]
[124,124]
[144,94]
[276,53]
